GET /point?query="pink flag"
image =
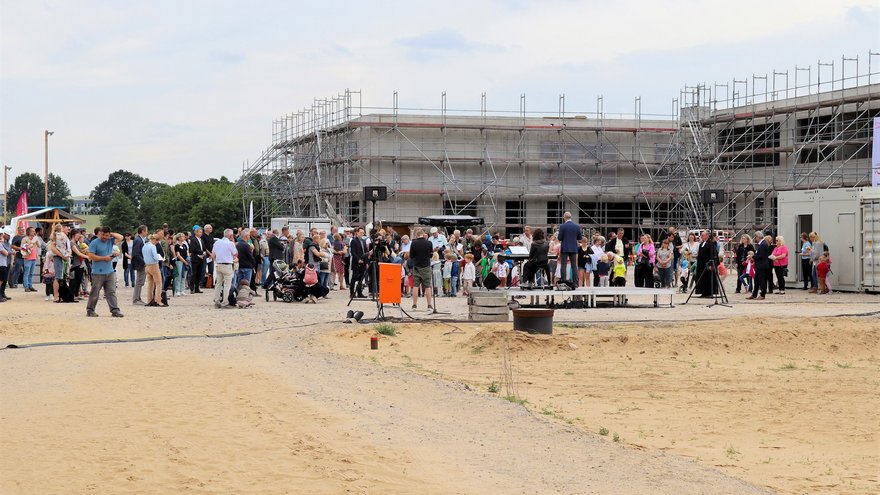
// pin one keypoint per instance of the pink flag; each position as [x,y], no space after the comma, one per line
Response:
[22,209]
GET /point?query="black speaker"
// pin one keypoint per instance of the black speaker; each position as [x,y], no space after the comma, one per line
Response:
[375,193]
[713,196]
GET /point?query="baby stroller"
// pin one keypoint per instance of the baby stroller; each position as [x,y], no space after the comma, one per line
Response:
[284,283]
[657,282]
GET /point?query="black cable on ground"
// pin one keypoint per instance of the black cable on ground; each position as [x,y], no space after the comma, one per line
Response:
[443,321]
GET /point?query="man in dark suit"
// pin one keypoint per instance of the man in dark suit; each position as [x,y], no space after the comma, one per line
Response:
[197,261]
[276,247]
[358,251]
[208,241]
[569,236]
[138,268]
[707,263]
[762,267]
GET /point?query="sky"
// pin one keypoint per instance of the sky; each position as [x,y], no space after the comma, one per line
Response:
[187,90]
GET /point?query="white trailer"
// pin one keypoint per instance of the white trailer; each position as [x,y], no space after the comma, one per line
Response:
[304,224]
[848,219]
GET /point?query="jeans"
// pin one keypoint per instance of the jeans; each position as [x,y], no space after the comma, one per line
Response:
[28,282]
[323,277]
[815,277]
[243,274]
[665,276]
[744,280]
[179,278]
[453,285]
[128,275]
[806,268]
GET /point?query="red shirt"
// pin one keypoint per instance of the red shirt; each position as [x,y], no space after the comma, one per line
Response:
[822,269]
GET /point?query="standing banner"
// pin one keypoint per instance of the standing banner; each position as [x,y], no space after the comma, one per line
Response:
[251,216]
[21,209]
[875,155]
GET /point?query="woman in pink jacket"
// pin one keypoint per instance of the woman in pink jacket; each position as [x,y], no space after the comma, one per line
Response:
[780,263]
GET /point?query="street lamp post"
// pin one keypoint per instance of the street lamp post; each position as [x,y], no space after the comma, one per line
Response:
[46,181]
[6,168]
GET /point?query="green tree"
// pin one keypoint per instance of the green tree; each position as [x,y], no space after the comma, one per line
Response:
[120,214]
[59,191]
[132,185]
[183,205]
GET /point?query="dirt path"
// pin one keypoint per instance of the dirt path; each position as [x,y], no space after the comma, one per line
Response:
[273,414]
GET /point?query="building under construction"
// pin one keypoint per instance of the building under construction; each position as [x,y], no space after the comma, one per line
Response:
[803,129]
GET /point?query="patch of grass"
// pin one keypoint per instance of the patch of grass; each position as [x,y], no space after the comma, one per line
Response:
[386,329]
[494,388]
[787,367]
[731,452]
[547,412]
[655,396]
[817,367]
[515,400]
[844,365]
[767,461]
[477,349]
[569,373]
[616,437]
[603,431]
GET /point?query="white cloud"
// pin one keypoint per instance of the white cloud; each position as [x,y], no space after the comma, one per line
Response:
[185,90]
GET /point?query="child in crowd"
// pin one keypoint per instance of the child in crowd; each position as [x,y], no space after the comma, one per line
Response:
[469,274]
[822,270]
[452,259]
[245,297]
[437,273]
[500,269]
[748,274]
[619,272]
[447,273]
[684,269]
[603,267]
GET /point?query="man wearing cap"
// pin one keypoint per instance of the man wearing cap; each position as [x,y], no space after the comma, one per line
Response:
[197,260]
[438,240]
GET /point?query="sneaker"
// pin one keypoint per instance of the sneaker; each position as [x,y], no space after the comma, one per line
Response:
[48,298]
[430,308]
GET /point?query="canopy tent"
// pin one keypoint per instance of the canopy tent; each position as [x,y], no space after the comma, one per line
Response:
[47,215]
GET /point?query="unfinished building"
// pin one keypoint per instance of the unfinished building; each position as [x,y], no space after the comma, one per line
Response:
[750,138]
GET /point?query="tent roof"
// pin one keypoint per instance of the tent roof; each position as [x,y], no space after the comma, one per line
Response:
[63,216]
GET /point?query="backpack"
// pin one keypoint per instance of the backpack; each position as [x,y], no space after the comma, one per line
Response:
[311,276]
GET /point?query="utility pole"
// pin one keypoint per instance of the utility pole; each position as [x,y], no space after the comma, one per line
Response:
[46,181]
[6,169]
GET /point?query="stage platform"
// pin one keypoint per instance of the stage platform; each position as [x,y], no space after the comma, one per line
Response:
[619,295]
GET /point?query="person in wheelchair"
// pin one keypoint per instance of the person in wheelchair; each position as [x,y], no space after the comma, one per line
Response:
[537,260]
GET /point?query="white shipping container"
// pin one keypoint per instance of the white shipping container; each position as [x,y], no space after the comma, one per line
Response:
[848,220]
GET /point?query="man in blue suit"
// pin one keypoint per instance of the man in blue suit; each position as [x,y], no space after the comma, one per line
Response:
[569,235]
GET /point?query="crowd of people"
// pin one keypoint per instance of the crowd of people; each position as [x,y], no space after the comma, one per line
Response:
[75,263]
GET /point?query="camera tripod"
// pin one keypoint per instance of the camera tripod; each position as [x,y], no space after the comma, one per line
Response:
[719,294]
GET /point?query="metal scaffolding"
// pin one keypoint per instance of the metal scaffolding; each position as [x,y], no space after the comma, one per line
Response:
[750,138]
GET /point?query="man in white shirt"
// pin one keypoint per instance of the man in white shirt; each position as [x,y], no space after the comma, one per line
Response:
[526,238]
[438,241]
[223,254]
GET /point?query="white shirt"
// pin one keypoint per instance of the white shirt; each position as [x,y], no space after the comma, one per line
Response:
[469,273]
[224,251]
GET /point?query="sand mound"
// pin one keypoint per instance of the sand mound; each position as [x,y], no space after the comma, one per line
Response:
[518,342]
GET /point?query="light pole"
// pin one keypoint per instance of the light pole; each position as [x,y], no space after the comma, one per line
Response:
[46,181]
[6,168]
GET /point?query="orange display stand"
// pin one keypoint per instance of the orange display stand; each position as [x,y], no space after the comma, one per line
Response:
[389,283]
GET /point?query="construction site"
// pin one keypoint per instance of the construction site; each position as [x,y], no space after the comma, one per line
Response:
[802,128]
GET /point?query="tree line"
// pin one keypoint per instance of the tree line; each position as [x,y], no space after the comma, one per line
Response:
[127,200]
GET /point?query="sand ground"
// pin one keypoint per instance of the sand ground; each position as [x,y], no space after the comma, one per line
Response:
[758,397]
